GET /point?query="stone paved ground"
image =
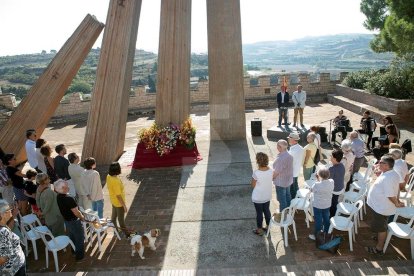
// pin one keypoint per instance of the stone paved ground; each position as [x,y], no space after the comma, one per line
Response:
[204,211]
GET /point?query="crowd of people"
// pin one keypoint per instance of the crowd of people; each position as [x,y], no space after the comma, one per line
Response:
[332,180]
[57,190]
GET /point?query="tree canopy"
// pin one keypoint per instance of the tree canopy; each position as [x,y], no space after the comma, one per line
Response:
[394,19]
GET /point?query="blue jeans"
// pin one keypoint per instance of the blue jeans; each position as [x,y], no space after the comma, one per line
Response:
[321,217]
[307,172]
[283,196]
[283,113]
[262,208]
[294,188]
[75,233]
[98,207]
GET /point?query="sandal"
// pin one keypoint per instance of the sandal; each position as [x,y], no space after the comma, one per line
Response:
[258,232]
[374,250]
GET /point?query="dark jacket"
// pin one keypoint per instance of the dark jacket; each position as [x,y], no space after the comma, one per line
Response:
[279,99]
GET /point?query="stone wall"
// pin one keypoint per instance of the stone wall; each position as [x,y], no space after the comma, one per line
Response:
[75,107]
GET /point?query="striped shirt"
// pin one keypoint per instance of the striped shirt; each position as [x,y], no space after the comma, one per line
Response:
[283,166]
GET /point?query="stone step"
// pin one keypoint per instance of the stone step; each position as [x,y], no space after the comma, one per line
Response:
[322,267]
[358,107]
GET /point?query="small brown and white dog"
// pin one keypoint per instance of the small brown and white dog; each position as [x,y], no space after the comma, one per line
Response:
[138,242]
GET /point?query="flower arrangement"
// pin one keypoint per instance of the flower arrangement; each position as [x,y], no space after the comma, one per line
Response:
[166,138]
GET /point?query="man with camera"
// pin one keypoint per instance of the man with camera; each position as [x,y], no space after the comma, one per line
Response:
[299,99]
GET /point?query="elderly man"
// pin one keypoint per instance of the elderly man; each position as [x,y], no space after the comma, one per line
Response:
[283,174]
[282,99]
[383,201]
[70,212]
[299,99]
[400,166]
[358,148]
[298,154]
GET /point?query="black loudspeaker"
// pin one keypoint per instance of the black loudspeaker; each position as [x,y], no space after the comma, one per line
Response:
[323,134]
[256,126]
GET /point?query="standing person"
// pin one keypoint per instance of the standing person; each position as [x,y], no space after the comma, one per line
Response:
[76,172]
[30,147]
[46,200]
[12,258]
[348,160]
[46,151]
[283,174]
[282,102]
[6,187]
[262,192]
[117,196]
[30,189]
[337,174]
[298,153]
[340,123]
[16,177]
[383,201]
[317,141]
[72,216]
[368,126]
[40,158]
[61,164]
[299,99]
[322,201]
[310,152]
[358,149]
[92,181]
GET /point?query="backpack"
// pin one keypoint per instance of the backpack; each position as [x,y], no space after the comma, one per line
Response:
[328,242]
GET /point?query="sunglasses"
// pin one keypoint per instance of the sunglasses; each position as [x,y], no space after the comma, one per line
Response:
[382,162]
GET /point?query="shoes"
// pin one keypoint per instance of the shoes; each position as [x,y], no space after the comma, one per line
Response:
[258,232]
[312,237]
[374,250]
[302,125]
[294,125]
[279,125]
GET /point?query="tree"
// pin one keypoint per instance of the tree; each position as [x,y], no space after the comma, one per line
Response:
[151,84]
[394,19]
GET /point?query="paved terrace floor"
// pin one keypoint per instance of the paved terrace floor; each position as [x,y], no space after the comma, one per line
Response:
[205,212]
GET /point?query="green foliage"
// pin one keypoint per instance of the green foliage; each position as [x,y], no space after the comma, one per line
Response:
[80,86]
[19,91]
[395,21]
[358,79]
[151,84]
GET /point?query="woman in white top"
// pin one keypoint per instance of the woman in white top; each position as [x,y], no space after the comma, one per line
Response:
[347,160]
[322,199]
[315,130]
[40,158]
[92,181]
[262,192]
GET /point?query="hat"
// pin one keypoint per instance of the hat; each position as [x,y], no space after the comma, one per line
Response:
[294,136]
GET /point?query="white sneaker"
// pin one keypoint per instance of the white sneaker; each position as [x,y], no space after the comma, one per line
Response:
[312,237]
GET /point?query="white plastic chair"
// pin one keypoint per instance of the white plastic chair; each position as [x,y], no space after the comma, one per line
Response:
[345,224]
[406,197]
[358,176]
[28,224]
[286,219]
[304,204]
[54,245]
[357,191]
[405,212]
[401,230]
[346,208]
[99,226]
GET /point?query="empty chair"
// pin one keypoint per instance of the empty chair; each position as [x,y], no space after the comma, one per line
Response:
[54,245]
[355,193]
[405,212]
[406,196]
[345,224]
[346,208]
[401,230]
[286,219]
[358,176]
[304,204]
[28,224]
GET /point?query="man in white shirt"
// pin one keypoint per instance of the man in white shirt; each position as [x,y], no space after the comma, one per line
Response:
[299,99]
[31,148]
[298,154]
[383,201]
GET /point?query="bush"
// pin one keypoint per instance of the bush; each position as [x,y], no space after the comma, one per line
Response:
[357,79]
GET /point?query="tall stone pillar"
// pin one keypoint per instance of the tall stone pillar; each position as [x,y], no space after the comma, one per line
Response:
[105,132]
[173,81]
[36,109]
[225,69]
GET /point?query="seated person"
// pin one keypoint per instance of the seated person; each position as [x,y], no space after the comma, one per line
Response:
[368,126]
[387,120]
[341,123]
[385,141]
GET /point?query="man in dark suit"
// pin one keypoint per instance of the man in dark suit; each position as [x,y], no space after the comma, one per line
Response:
[282,103]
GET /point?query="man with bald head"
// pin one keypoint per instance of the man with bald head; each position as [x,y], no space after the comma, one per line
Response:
[283,174]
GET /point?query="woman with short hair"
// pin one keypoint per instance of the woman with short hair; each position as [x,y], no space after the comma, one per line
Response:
[12,258]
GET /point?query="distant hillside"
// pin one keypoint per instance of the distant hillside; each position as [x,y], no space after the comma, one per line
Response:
[347,52]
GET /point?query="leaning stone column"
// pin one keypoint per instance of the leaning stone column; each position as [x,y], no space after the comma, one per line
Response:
[225,69]
[173,81]
[105,132]
[44,97]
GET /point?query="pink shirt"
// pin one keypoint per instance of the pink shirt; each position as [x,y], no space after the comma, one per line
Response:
[283,166]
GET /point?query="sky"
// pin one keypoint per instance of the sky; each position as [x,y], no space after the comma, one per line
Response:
[30,26]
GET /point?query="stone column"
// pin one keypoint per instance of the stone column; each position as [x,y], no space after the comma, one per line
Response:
[225,67]
[105,132]
[173,80]
[44,97]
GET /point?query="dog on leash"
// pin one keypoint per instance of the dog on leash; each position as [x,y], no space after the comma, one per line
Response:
[138,242]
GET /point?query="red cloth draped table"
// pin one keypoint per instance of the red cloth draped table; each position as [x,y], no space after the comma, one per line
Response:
[180,155]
